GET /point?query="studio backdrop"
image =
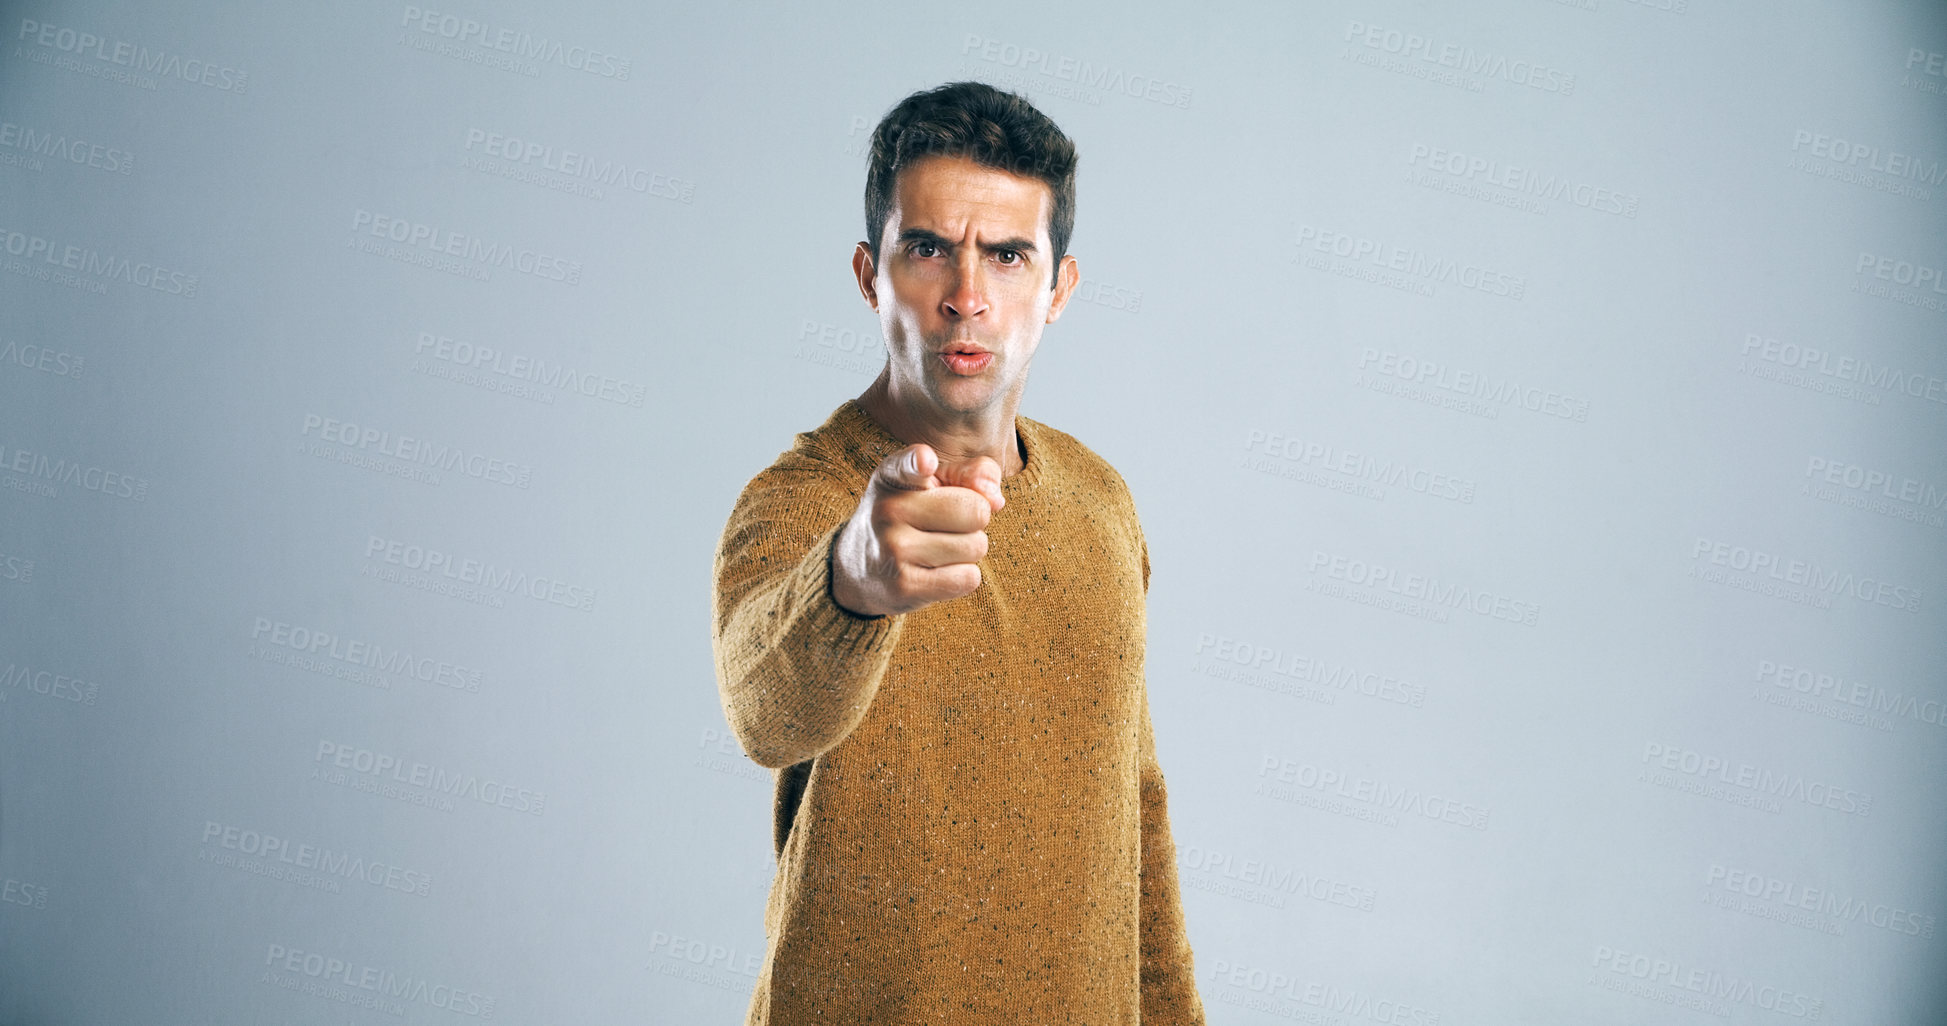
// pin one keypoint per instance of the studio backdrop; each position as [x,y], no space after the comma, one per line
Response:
[1537,412]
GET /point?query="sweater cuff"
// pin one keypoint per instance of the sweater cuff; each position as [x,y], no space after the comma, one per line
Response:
[826,617]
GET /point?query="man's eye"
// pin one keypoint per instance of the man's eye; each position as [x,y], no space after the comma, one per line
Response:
[1016,257]
[918,246]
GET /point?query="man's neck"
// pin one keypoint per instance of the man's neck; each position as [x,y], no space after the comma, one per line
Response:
[954,442]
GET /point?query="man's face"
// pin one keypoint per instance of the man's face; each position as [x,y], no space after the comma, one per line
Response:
[965,263]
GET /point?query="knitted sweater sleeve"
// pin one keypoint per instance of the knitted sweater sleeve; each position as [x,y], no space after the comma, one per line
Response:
[795,670]
[1169,986]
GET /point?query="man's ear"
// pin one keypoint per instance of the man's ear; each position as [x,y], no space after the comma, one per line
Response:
[867,273]
[1067,276]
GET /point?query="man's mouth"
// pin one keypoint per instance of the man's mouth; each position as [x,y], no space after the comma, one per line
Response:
[966,358]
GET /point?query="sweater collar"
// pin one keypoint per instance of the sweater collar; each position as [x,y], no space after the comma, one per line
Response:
[882,443]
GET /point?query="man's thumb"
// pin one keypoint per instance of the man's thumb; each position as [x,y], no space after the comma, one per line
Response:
[910,468]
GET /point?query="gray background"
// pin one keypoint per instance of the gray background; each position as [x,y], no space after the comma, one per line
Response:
[1694,342]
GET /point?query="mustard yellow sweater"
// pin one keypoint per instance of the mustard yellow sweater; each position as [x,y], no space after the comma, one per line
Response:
[970,822]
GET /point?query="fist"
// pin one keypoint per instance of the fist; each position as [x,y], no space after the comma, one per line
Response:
[918,532]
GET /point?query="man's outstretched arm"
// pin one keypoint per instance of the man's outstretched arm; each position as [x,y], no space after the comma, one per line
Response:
[795,670]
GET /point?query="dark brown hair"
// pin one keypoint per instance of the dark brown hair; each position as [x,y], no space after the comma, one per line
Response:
[992,128]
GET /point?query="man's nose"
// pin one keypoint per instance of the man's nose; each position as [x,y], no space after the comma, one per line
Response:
[967,291]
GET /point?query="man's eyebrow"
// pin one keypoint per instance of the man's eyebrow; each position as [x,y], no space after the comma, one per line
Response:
[907,235]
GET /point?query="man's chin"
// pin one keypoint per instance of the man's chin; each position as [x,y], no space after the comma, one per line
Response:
[964,395]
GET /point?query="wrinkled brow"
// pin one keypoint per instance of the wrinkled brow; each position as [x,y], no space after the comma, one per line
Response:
[1023,246]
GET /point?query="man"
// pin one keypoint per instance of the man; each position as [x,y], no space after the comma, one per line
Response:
[929,618]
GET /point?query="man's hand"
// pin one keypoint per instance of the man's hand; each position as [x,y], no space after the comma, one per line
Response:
[919,531]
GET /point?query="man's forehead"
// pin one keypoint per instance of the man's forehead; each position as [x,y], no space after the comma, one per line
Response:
[949,194]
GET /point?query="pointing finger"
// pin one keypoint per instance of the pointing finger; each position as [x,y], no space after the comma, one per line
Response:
[982,474]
